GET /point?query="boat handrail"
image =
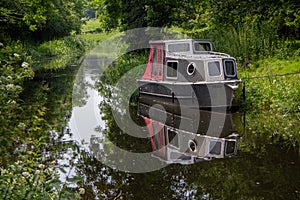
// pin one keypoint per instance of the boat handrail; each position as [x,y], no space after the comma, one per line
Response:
[203,55]
[219,53]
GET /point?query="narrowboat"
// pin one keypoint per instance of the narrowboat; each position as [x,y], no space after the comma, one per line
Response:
[173,142]
[189,73]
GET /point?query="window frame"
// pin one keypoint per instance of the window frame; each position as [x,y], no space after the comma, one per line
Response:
[220,67]
[179,43]
[167,67]
[194,48]
[176,137]
[225,69]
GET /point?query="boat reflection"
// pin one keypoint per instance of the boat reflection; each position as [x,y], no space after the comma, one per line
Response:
[188,135]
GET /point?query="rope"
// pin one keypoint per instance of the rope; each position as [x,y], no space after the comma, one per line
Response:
[270,76]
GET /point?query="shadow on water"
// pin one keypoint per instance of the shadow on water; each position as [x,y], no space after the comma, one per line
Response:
[250,166]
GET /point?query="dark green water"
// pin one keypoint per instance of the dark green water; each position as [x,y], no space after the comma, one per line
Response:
[261,168]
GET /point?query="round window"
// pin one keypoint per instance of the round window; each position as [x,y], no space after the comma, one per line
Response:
[192,144]
[191,69]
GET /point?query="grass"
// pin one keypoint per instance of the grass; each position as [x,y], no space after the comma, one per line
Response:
[92,25]
[56,54]
[277,66]
[91,32]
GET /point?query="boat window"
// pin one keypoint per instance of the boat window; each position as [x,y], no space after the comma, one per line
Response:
[154,62]
[160,62]
[229,68]
[172,69]
[181,47]
[214,68]
[202,46]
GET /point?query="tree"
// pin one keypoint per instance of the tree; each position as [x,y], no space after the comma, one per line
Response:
[41,19]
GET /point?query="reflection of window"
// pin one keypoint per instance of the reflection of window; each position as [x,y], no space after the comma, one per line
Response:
[230,147]
[172,69]
[229,68]
[182,47]
[154,62]
[155,135]
[202,46]
[215,148]
[173,138]
[214,68]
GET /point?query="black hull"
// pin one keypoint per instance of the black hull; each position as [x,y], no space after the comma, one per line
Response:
[196,121]
[210,95]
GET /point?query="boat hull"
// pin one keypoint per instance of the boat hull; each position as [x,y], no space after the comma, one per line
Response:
[196,95]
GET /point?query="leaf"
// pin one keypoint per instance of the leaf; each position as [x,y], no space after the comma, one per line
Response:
[74,179]
[62,170]
[55,183]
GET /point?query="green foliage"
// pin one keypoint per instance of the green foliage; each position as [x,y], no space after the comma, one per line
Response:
[243,41]
[251,29]
[121,66]
[273,107]
[91,26]
[199,15]
[14,71]
[31,178]
[27,118]
[40,19]
[275,65]
[56,54]
[118,85]
[280,94]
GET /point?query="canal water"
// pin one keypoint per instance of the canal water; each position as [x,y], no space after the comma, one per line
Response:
[144,149]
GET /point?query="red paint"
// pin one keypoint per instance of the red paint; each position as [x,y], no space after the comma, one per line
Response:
[155,65]
[160,135]
[147,73]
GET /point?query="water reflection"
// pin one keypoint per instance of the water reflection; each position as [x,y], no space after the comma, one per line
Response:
[86,118]
[261,170]
[184,140]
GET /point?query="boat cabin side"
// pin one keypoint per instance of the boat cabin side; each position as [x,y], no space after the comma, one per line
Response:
[188,61]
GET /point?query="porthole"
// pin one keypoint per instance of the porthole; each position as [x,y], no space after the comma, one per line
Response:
[191,69]
[192,144]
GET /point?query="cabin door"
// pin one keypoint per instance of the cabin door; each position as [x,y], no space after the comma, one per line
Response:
[157,62]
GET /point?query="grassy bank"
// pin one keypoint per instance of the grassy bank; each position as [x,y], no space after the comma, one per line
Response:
[32,114]
[29,152]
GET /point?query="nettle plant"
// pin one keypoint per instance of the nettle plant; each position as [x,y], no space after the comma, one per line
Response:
[14,70]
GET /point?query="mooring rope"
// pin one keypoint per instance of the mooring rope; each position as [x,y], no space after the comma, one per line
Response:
[270,76]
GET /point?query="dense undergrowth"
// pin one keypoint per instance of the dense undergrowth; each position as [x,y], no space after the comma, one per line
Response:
[272,105]
[28,164]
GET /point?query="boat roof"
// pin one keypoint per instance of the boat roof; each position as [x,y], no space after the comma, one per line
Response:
[187,49]
[178,41]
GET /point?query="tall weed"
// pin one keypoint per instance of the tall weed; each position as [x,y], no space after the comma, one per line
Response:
[248,40]
[273,108]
